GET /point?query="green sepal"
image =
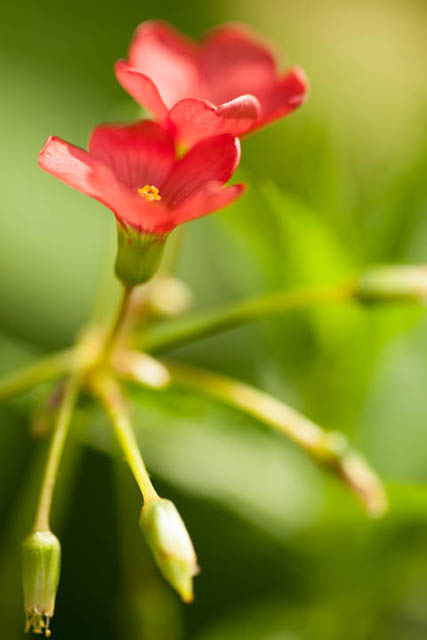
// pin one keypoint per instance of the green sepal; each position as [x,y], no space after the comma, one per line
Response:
[138,255]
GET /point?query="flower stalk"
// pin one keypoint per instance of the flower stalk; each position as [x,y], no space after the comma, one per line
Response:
[169,335]
[407,284]
[71,388]
[43,370]
[115,329]
[331,450]
[108,392]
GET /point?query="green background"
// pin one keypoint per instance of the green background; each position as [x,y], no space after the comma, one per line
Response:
[285,553]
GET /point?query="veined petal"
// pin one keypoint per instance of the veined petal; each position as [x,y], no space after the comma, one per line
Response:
[196,119]
[79,170]
[168,58]
[138,154]
[233,62]
[212,160]
[212,197]
[285,95]
[141,88]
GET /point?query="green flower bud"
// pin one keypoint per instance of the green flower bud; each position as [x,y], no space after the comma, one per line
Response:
[41,564]
[138,256]
[171,545]
[406,283]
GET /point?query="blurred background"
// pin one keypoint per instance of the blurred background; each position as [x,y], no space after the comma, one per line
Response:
[338,185]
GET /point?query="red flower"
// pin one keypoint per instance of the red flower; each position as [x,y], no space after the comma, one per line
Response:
[135,172]
[227,84]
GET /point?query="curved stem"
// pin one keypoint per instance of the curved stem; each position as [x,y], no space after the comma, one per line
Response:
[41,522]
[117,323]
[329,449]
[43,370]
[173,334]
[110,396]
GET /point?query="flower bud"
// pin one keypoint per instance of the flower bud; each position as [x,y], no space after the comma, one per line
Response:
[406,283]
[169,297]
[171,545]
[142,368]
[41,564]
[138,256]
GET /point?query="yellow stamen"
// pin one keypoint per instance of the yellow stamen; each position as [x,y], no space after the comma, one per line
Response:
[150,193]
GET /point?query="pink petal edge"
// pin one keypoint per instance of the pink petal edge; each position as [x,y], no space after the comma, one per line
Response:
[212,198]
[141,88]
[288,93]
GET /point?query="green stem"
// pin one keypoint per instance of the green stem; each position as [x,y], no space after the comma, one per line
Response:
[65,411]
[173,334]
[117,325]
[329,449]
[110,396]
[43,370]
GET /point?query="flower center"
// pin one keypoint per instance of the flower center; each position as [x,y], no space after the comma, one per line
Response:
[150,193]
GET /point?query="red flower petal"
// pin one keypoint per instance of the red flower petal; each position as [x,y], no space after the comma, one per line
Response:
[196,119]
[167,58]
[79,170]
[234,62]
[214,159]
[148,217]
[284,96]
[212,198]
[141,88]
[138,154]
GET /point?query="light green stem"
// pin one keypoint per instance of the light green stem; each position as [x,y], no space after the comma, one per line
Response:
[329,449]
[109,394]
[43,370]
[117,325]
[173,334]
[65,411]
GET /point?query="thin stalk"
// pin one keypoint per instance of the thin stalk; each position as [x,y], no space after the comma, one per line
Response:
[198,325]
[44,370]
[109,394]
[118,322]
[329,449]
[65,411]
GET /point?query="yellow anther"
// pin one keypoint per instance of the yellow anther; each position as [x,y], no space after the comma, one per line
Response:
[150,193]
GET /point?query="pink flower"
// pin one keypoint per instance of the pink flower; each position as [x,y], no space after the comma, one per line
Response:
[227,84]
[135,172]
